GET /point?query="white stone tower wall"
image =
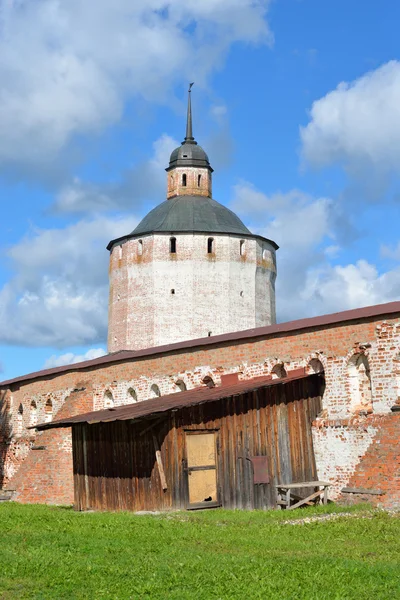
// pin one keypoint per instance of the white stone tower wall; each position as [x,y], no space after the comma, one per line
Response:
[221,292]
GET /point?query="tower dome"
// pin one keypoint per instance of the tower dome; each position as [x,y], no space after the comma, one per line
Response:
[188,155]
[190,268]
[191,214]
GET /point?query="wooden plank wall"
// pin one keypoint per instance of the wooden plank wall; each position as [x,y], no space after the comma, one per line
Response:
[115,466]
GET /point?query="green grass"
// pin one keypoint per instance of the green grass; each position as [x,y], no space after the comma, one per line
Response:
[56,553]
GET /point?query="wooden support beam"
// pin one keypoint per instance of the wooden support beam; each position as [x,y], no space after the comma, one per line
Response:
[154,422]
[306,500]
[160,464]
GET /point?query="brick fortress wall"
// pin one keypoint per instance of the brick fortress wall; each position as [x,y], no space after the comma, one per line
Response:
[355,437]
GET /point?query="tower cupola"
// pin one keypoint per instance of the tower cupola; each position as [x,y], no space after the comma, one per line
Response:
[189,170]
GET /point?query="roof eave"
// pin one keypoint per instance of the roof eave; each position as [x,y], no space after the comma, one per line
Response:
[133,235]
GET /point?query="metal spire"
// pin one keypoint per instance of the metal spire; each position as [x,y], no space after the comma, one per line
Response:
[189,128]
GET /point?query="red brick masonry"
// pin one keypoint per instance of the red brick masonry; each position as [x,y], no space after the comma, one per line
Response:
[356,438]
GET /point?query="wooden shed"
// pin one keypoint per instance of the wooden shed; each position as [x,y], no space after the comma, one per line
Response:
[224,446]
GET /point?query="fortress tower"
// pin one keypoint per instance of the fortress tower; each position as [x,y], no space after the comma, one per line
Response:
[191,268]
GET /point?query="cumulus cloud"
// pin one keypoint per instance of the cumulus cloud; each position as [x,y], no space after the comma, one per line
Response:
[71,359]
[283,213]
[335,288]
[59,292]
[144,181]
[67,69]
[308,230]
[358,124]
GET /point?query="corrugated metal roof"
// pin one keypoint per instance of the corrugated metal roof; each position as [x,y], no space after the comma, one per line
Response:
[160,405]
[357,314]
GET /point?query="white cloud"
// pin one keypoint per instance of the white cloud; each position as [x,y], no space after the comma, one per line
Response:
[144,181]
[332,289]
[307,229]
[283,214]
[358,124]
[58,294]
[71,359]
[68,68]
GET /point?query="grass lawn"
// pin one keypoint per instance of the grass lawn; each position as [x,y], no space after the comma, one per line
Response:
[55,553]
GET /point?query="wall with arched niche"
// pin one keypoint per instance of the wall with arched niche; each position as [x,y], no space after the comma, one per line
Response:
[359,384]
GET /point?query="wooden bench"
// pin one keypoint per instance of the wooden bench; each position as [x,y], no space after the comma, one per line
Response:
[287,491]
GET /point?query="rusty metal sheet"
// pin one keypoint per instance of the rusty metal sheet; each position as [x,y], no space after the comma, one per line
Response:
[260,469]
[156,406]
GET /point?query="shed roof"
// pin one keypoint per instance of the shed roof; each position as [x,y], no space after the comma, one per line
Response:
[158,406]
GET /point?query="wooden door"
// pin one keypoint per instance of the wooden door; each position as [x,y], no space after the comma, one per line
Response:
[201,469]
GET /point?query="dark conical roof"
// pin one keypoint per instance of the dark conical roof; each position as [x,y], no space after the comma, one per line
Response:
[191,214]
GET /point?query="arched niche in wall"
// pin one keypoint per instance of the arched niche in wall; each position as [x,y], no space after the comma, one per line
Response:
[278,372]
[180,385]
[359,380]
[132,395]
[33,414]
[155,391]
[396,369]
[20,418]
[208,381]
[48,411]
[315,367]
[108,399]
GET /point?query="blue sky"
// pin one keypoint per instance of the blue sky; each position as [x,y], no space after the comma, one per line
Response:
[297,103]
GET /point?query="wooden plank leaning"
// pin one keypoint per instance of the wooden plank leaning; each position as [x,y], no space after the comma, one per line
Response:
[160,464]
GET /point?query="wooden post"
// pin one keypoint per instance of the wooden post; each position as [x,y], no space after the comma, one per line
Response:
[326,494]
[159,464]
[288,498]
[85,464]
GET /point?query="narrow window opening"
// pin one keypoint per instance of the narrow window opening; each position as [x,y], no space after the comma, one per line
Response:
[184,179]
[198,180]
[140,247]
[172,245]
[172,291]
[48,411]
[242,247]
[242,294]
[209,333]
[210,245]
